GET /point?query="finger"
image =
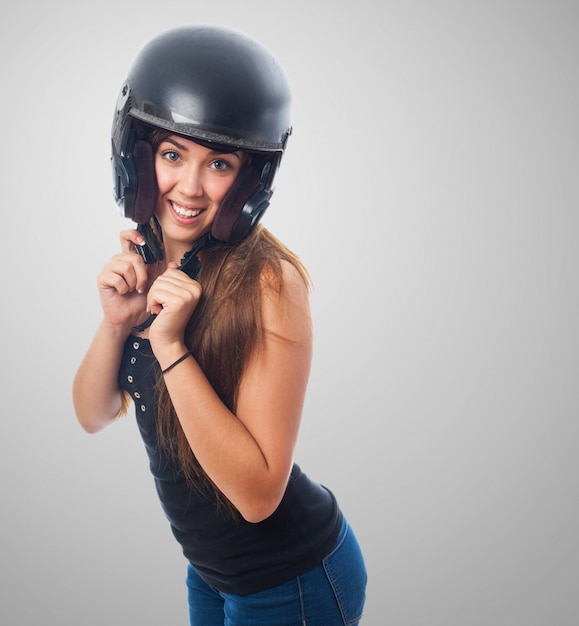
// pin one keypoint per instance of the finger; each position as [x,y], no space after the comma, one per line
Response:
[174,273]
[125,273]
[143,274]
[173,293]
[108,279]
[176,281]
[130,239]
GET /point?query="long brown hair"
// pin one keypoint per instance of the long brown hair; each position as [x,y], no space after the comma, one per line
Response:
[224,331]
[225,328]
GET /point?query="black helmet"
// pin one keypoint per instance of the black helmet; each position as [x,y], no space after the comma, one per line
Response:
[213,85]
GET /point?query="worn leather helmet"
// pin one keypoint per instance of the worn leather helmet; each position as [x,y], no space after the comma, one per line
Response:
[216,86]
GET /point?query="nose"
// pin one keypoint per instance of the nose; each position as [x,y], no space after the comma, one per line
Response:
[191,181]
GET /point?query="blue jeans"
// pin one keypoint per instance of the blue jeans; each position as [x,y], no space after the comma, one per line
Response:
[330,594]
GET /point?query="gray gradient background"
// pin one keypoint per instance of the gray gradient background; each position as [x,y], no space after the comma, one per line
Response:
[431,186]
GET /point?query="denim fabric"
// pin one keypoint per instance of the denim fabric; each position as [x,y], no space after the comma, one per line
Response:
[331,594]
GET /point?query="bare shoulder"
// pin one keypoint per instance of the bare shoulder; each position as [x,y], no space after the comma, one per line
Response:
[286,304]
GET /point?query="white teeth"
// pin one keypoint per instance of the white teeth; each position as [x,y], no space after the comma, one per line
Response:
[185,212]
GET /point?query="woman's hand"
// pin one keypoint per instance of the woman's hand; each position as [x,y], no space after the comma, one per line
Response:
[173,297]
[123,283]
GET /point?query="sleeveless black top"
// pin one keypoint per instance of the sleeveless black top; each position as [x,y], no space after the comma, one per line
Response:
[232,555]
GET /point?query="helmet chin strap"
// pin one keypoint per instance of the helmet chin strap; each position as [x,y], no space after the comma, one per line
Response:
[191,265]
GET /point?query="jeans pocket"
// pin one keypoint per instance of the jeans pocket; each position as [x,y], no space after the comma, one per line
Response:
[346,571]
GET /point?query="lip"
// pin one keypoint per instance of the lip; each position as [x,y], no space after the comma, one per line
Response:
[185,214]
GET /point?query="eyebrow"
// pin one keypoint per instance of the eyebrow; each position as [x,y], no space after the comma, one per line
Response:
[212,152]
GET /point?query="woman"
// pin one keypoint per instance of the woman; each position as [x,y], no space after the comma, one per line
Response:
[206,328]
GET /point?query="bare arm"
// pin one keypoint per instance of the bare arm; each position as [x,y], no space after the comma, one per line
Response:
[96,394]
[248,455]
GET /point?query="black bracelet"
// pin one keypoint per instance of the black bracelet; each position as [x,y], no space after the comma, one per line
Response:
[181,358]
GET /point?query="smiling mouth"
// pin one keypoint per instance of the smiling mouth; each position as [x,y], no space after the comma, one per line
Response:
[183,212]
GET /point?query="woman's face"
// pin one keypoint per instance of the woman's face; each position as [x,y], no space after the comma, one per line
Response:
[192,181]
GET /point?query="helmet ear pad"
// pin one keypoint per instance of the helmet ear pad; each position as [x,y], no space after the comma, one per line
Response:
[242,207]
[146,183]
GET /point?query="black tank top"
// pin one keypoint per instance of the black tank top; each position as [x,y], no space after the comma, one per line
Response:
[230,554]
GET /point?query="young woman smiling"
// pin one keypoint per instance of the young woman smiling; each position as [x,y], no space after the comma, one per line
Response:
[206,329]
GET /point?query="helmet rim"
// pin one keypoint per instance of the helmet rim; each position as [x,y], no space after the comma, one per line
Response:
[193,130]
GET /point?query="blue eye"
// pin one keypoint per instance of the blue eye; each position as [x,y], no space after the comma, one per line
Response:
[220,164]
[170,155]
